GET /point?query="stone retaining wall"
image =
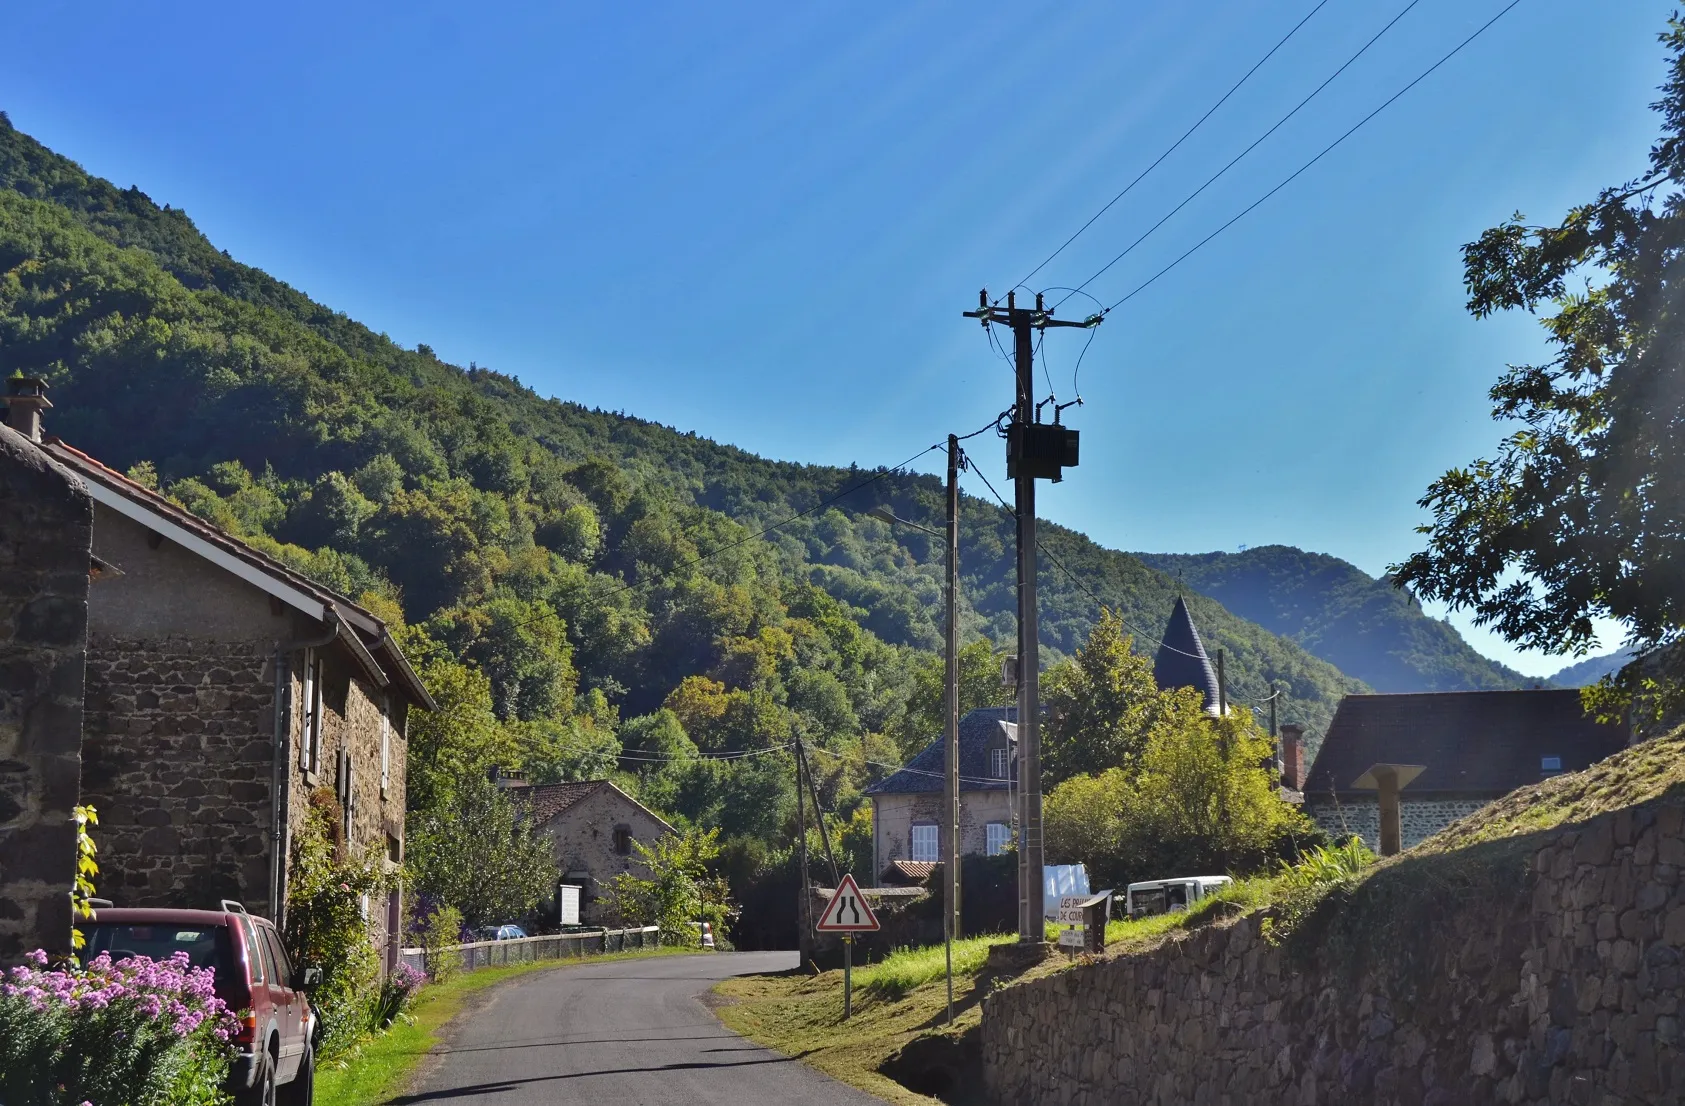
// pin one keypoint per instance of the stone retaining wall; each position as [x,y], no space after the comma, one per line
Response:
[1562,986]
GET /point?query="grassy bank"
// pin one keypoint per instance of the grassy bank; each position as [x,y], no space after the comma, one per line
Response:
[899,999]
[1386,907]
[383,1067]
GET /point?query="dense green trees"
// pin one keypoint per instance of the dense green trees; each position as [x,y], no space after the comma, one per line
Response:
[1145,784]
[585,591]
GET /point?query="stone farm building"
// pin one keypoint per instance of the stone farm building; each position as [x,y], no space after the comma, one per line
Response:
[1471,747]
[591,825]
[907,806]
[223,694]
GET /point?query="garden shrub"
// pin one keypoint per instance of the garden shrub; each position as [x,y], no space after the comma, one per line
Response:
[440,934]
[327,928]
[138,1032]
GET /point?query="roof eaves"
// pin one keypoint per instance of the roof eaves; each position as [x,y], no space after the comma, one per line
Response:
[145,506]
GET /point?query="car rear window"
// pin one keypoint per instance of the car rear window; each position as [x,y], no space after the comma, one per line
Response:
[205,946]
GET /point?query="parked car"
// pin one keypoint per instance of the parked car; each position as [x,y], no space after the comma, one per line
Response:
[276,1062]
[1167,896]
[502,933]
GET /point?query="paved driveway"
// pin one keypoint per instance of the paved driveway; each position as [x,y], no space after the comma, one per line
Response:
[620,1033]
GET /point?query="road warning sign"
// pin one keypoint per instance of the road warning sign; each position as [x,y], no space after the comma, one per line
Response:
[847,911]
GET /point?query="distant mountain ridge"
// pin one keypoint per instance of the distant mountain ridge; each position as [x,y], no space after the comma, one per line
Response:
[160,348]
[1592,669]
[1362,625]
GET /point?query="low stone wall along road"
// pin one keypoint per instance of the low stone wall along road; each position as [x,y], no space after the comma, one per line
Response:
[619,1033]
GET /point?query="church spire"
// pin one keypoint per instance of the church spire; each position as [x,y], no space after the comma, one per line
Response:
[1181,660]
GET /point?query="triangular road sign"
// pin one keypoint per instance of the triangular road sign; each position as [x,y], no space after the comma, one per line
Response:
[847,911]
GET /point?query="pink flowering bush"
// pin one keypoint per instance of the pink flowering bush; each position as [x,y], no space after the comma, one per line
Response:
[138,1032]
[396,992]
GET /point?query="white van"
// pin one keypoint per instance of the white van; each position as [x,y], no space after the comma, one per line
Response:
[1164,896]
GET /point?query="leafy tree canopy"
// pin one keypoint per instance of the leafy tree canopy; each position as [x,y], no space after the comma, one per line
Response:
[1582,511]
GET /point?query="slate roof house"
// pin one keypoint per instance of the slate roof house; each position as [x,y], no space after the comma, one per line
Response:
[1471,747]
[907,806]
[224,693]
[1182,660]
[592,824]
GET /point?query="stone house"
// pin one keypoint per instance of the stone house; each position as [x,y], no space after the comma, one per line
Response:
[907,806]
[1451,753]
[591,825]
[224,694]
[46,533]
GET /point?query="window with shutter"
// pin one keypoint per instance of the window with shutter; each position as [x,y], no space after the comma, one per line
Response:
[925,842]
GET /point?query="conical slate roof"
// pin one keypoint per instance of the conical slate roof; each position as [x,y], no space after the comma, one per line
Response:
[1181,660]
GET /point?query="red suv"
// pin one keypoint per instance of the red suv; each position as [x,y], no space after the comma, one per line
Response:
[276,1065]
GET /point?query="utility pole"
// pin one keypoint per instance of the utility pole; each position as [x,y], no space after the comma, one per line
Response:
[951,870]
[950,831]
[818,811]
[803,916]
[1033,450]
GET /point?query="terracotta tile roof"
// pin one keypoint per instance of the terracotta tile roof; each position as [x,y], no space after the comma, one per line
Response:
[1471,742]
[908,872]
[924,772]
[372,633]
[1182,661]
[550,800]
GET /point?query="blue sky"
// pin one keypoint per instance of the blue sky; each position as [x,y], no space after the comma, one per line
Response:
[761,222]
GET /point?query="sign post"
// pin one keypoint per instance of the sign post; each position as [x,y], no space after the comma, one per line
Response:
[847,913]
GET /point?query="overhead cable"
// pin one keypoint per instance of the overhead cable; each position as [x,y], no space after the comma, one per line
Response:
[1174,145]
[1277,125]
[1306,166]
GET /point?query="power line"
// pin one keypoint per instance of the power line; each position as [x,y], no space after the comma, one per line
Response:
[705,756]
[900,767]
[1277,125]
[1079,582]
[1174,145]
[1306,166]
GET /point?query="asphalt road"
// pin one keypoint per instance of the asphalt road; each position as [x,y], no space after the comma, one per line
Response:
[619,1033]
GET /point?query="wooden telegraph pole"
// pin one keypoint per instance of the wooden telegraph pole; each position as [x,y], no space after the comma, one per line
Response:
[1034,450]
[951,703]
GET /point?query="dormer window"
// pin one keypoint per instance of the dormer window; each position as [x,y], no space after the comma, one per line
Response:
[1000,763]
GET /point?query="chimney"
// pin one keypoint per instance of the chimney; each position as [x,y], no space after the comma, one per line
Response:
[1293,755]
[26,397]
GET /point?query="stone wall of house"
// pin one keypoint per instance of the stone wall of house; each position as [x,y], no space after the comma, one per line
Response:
[45,537]
[179,760]
[1563,988]
[583,837]
[351,723]
[894,816]
[1419,819]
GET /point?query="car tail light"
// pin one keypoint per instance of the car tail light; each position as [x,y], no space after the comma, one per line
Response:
[248,1030]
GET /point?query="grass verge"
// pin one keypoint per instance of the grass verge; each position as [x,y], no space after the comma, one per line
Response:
[382,1068]
[900,999]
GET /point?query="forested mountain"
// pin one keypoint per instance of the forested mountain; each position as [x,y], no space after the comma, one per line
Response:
[1592,669]
[481,503]
[1366,627]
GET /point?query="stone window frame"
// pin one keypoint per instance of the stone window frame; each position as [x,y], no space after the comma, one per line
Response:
[915,837]
[385,705]
[622,840]
[994,844]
